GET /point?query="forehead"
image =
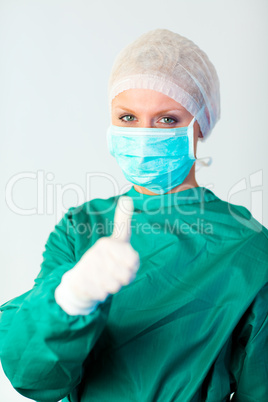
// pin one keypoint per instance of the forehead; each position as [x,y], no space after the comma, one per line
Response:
[139,99]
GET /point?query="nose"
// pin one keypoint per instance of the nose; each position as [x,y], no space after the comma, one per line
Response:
[146,122]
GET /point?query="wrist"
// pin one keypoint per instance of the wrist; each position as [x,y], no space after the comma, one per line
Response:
[69,302]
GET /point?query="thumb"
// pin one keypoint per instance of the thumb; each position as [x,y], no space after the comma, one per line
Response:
[122,219]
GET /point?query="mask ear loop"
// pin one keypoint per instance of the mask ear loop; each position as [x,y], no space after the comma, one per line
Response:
[190,133]
[206,160]
[201,162]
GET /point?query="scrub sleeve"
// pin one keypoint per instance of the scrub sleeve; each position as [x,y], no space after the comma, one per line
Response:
[42,348]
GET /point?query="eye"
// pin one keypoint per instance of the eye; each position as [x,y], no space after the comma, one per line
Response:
[168,120]
[127,117]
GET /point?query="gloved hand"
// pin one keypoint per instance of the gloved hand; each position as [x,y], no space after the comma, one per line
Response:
[108,265]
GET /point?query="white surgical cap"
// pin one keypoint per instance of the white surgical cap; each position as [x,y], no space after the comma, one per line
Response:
[173,65]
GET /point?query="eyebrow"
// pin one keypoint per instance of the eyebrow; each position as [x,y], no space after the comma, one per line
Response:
[161,111]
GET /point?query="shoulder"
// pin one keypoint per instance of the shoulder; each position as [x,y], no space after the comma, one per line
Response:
[242,237]
[84,224]
[92,209]
[239,217]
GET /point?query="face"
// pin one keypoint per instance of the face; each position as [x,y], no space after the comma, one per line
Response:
[152,109]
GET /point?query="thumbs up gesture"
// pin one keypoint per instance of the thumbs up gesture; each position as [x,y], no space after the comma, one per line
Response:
[107,266]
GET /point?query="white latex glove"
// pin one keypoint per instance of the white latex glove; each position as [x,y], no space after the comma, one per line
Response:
[108,265]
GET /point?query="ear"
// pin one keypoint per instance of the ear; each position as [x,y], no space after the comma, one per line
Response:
[197,128]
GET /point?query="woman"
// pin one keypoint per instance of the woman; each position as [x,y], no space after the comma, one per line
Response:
[169,303]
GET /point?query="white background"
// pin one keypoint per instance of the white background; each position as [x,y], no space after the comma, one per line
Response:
[55,60]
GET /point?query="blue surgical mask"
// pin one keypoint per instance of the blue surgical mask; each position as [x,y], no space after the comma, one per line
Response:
[157,159]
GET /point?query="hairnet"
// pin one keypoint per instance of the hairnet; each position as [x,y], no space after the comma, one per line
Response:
[173,65]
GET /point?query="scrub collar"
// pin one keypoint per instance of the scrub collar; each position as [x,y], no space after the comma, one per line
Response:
[194,195]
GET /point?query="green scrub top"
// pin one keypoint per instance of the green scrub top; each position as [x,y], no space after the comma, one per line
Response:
[192,326]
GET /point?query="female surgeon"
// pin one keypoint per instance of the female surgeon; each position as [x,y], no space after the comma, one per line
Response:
[159,294]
